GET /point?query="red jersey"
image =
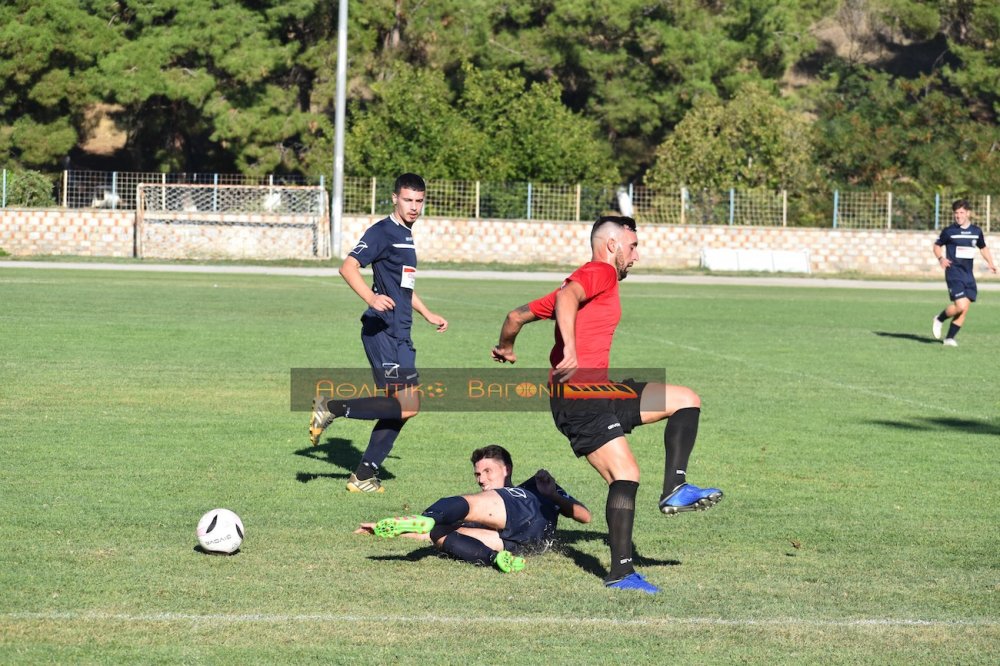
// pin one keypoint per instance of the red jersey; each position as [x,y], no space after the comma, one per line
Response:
[596,320]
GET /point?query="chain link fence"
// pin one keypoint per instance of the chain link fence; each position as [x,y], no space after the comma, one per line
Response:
[845,209]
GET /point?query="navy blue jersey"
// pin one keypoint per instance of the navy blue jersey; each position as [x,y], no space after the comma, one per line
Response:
[960,247]
[388,246]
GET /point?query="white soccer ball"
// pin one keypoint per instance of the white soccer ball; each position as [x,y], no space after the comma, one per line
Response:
[220,531]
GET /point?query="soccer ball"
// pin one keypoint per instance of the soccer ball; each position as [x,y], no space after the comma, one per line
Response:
[220,531]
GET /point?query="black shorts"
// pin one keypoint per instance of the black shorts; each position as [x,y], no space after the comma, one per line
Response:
[962,286]
[589,424]
[527,530]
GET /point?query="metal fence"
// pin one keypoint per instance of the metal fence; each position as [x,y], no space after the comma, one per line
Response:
[854,209]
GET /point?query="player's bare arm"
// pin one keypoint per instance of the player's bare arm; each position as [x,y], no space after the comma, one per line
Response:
[432,318]
[988,256]
[350,270]
[503,352]
[939,254]
[568,302]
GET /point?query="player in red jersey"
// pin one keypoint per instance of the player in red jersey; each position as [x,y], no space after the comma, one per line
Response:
[586,309]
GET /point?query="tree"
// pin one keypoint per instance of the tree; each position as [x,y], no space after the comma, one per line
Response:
[749,142]
[47,52]
[495,127]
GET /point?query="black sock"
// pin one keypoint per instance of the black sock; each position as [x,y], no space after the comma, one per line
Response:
[944,315]
[366,470]
[448,510]
[380,443]
[953,330]
[463,547]
[620,513]
[678,440]
[368,409]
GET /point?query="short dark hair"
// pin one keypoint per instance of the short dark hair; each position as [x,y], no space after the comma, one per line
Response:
[494,451]
[961,203]
[620,220]
[410,181]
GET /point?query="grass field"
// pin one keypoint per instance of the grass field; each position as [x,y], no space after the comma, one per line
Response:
[859,460]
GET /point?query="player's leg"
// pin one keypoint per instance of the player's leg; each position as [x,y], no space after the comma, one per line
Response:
[682,408]
[617,466]
[481,546]
[382,352]
[399,357]
[961,306]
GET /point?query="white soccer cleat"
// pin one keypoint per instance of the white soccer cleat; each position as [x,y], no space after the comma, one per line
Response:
[936,328]
[950,342]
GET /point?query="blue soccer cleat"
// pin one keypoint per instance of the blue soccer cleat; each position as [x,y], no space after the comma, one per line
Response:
[633,581]
[689,497]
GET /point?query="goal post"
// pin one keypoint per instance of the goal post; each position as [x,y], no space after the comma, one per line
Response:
[231,222]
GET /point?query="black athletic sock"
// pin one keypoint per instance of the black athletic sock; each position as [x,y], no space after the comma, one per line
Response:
[366,470]
[368,409]
[620,513]
[944,315]
[448,510]
[463,547]
[380,443]
[953,330]
[678,440]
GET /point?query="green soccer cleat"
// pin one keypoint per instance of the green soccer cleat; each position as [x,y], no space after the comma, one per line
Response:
[387,528]
[508,562]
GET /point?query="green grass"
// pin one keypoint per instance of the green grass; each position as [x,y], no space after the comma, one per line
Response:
[859,460]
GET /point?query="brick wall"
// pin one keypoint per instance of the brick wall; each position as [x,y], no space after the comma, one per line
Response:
[663,246]
[104,233]
[85,232]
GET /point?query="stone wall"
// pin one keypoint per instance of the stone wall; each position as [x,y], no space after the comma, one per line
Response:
[875,252]
[83,232]
[106,233]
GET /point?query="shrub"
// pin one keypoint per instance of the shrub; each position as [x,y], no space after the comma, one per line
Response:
[29,189]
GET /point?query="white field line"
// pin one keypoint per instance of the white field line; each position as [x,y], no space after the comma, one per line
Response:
[854,388]
[663,622]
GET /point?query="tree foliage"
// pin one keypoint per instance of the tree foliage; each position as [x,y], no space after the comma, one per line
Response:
[750,142]
[558,90]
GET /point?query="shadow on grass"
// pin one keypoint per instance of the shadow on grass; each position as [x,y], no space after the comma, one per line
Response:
[591,564]
[970,426]
[912,337]
[339,452]
[412,556]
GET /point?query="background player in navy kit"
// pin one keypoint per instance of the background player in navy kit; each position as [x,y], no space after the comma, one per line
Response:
[955,249]
[499,524]
[385,331]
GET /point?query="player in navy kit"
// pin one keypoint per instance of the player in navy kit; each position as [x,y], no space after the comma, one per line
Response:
[498,525]
[955,249]
[385,331]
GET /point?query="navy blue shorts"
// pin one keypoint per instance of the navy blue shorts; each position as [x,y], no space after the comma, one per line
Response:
[527,529]
[590,424]
[393,360]
[962,287]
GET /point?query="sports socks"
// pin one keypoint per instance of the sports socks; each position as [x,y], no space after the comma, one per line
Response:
[953,330]
[944,315]
[448,510]
[380,443]
[463,547]
[620,513]
[368,409]
[678,440]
